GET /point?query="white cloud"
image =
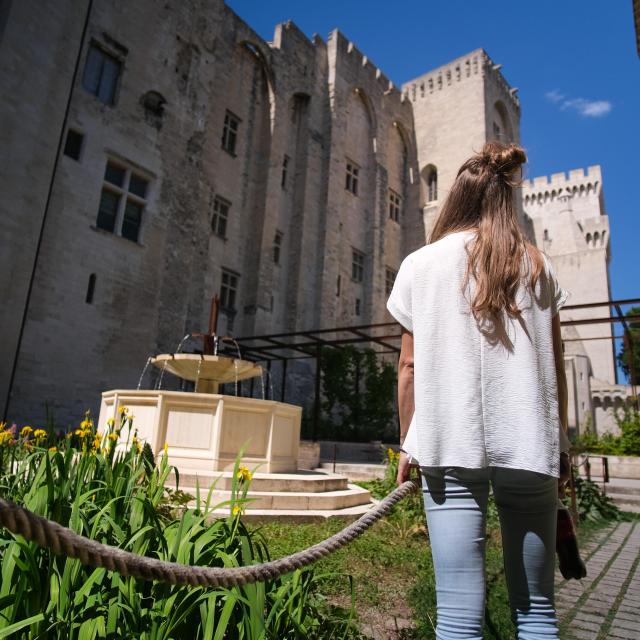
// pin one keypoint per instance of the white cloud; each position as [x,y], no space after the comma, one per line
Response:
[555,96]
[585,107]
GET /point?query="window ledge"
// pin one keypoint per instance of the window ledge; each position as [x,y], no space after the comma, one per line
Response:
[115,235]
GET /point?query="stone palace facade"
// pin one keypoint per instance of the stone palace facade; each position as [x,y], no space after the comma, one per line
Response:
[156,154]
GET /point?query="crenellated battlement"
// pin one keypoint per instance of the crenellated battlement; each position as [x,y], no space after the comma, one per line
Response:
[351,55]
[577,183]
[472,64]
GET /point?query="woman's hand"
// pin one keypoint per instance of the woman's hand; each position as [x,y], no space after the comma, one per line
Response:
[565,473]
[404,468]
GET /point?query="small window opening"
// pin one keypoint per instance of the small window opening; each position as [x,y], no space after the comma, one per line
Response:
[389,279]
[277,246]
[352,177]
[101,74]
[220,216]
[230,133]
[228,290]
[73,144]
[432,186]
[285,166]
[91,286]
[395,202]
[357,266]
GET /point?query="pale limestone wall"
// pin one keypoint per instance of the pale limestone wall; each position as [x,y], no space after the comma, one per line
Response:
[316,102]
[572,227]
[293,96]
[609,401]
[38,49]
[367,116]
[580,406]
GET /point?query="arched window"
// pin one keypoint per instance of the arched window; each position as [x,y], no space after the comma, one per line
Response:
[588,238]
[432,185]
[596,238]
[545,235]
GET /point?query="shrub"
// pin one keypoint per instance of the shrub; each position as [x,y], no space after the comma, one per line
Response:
[626,444]
[116,496]
[592,504]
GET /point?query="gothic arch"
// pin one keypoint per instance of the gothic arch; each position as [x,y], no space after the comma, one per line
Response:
[360,133]
[255,50]
[397,159]
[501,114]
[429,184]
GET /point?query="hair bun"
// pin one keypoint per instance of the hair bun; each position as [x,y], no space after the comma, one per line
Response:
[502,158]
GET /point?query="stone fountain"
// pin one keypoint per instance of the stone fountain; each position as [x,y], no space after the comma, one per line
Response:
[205,430]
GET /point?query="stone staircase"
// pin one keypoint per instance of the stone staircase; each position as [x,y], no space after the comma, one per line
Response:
[302,496]
[625,492]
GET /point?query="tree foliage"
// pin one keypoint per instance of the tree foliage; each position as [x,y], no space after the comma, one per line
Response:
[624,357]
[358,395]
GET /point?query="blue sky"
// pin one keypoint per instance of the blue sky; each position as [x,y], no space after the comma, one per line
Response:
[574,61]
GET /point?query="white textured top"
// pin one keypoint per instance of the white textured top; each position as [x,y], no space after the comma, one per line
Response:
[480,400]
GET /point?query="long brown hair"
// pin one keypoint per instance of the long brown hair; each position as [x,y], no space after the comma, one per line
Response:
[482,198]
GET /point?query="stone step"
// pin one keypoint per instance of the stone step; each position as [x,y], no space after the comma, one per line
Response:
[619,485]
[355,470]
[299,516]
[353,496]
[625,498]
[302,481]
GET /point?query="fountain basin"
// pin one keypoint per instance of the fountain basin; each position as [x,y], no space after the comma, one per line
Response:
[207,371]
[205,431]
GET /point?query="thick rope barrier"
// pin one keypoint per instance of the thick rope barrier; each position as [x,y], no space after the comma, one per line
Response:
[63,541]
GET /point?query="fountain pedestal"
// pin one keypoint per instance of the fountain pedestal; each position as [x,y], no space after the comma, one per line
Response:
[206,431]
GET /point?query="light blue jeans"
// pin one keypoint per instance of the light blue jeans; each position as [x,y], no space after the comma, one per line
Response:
[455,501]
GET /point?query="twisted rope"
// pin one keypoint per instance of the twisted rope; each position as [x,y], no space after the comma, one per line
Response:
[63,541]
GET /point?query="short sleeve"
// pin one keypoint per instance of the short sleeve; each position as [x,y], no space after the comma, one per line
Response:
[399,302]
[558,296]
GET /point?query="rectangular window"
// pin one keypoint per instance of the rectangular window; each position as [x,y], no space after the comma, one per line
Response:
[395,203]
[220,216]
[108,210]
[285,167]
[358,306]
[73,144]
[228,290]
[115,174]
[353,172]
[131,220]
[277,246]
[389,279]
[122,201]
[230,132]
[101,73]
[357,266]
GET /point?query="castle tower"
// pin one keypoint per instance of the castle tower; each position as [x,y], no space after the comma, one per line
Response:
[457,108]
[571,226]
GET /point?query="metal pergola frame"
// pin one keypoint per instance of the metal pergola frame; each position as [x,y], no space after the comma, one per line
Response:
[385,338]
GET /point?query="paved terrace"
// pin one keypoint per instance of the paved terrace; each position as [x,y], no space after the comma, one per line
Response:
[605,604]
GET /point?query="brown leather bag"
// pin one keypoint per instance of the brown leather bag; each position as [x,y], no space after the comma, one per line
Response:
[571,564]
